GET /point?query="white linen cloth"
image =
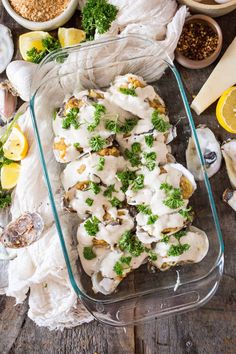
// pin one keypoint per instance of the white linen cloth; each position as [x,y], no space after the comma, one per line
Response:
[40,268]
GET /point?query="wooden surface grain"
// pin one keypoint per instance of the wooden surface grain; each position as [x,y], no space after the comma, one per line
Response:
[209,330]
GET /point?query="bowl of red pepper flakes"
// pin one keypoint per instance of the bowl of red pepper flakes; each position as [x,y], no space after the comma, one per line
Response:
[200,42]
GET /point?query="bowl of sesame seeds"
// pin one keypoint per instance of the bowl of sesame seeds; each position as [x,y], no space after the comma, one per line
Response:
[200,42]
[40,15]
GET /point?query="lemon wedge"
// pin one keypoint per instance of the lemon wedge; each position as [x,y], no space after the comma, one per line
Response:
[16,146]
[70,36]
[31,40]
[10,175]
[226,110]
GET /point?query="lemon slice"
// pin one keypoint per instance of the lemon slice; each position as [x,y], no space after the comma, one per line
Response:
[226,110]
[70,36]
[10,175]
[16,146]
[31,40]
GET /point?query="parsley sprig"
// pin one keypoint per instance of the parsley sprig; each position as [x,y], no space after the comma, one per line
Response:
[121,265]
[88,253]
[101,163]
[126,177]
[149,139]
[97,143]
[91,226]
[174,198]
[108,192]
[97,15]
[128,91]
[159,123]
[49,44]
[177,250]
[129,242]
[71,119]
[150,160]
[100,110]
[116,127]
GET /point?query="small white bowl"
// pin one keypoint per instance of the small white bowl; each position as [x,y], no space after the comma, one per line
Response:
[43,26]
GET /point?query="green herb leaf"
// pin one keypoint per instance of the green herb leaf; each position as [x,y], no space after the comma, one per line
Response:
[177,250]
[108,192]
[144,209]
[97,15]
[125,260]
[115,202]
[126,177]
[129,242]
[150,160]
[112,126]
[165,239]
[71,119]
[77,145]
[159,123]
[180,234]
[187,213]
[138,183]
[91,226]
[5,200]
[101,163]
[152,219]
[174,198]
[152,255]
[88,253]
[128,91]
[136,148]
[133,158]
[49,44]
[89,201]
[118,268]
[100,109]
[129,125]
[94,187]
[149,139]
[97,143]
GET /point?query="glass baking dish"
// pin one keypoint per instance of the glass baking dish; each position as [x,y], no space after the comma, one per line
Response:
[142,295]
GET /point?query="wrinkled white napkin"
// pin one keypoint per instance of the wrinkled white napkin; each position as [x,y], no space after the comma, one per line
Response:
[40,267]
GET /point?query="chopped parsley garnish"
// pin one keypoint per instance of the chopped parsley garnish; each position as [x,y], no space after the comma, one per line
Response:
[115,202]
[88,253]
[71,119]
[108,192]
[138,183]
[116,127]
[152,255]
[150,160]
[77,145]
[5,200]
[144,209]
[49,44]
[165,239]
[101,163]
[128,91]
[174,198]
[99,111]
[126,177]
[97,143]
[136,148]
[89,201]
[118,269]
[128,242]
[149,140]
[187,213]
[133,158]
[91,226]
[95,187]
[159,123]
[152,219]
[125,260]
[177,250]
[180,234]
[97,15]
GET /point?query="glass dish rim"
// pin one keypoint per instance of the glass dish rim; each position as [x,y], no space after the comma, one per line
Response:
[83,46]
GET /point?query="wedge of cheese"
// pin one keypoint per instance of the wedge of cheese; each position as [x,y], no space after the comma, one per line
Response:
[221,78]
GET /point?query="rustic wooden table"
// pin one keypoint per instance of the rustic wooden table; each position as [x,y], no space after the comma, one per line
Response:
[209,330]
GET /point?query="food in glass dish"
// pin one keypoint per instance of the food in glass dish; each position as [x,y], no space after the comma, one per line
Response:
[131,196]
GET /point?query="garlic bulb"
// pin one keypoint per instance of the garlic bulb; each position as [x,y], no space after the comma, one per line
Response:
[6,47]
[20,74]
[8,102]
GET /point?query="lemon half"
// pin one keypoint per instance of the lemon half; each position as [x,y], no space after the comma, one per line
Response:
[16,146]
[226,110]
[70,36]
[31,40]
[10,175]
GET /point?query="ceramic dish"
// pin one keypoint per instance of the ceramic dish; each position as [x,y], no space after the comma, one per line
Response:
[199,64]
[42,26]
[214,9]
[143,295]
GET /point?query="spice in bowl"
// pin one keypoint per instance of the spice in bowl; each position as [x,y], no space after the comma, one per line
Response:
[39,11]
[198,41]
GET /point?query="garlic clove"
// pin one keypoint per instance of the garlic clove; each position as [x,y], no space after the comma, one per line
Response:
[20,74]
[7,103]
